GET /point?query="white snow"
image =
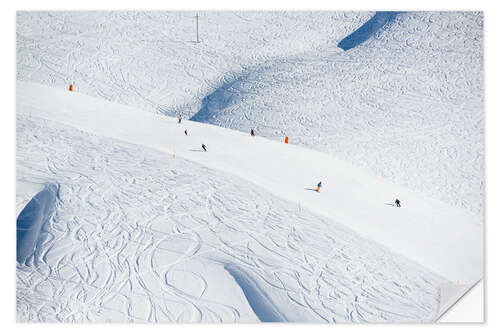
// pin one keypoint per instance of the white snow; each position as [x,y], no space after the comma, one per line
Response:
[148,227]
[150,60]
[440,237]
[141,236]
[406,105]
[25,191]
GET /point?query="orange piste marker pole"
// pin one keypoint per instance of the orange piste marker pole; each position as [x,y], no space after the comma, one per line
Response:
[286,139]
[70,87]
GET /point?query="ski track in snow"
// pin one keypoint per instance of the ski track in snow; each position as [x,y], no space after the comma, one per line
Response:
[137,236]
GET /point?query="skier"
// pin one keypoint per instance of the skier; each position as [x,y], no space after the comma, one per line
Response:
[179,119]
[319,187]
[186,132]
[204,147]
[398,203]
[252,133]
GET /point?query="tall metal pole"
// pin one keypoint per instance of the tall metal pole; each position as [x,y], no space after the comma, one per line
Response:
[197,40]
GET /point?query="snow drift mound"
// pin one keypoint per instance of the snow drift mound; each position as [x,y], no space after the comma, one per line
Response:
[31,220]
[407,105]
[258,300]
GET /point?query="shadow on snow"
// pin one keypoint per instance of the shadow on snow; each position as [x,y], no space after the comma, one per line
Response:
[367,30]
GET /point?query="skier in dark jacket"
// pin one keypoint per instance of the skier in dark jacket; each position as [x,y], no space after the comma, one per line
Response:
[179,119]
[204,147]
[398,203]
[186,132]
[252,133]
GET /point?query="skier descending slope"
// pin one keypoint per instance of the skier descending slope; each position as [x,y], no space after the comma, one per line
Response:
[204,147]
[319,187]
[186,132]
[252,133]
[398,203]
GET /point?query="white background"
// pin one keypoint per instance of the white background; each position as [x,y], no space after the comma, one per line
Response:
[468,309]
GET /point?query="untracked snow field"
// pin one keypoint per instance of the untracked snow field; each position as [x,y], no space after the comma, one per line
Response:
[124,218]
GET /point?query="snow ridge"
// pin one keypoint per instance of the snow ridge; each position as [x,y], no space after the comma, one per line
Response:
[258,300]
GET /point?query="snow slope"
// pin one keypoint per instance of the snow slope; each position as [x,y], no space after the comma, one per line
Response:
[150,59]
[426,230]
[406,104]
[439,237]
[141,236]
